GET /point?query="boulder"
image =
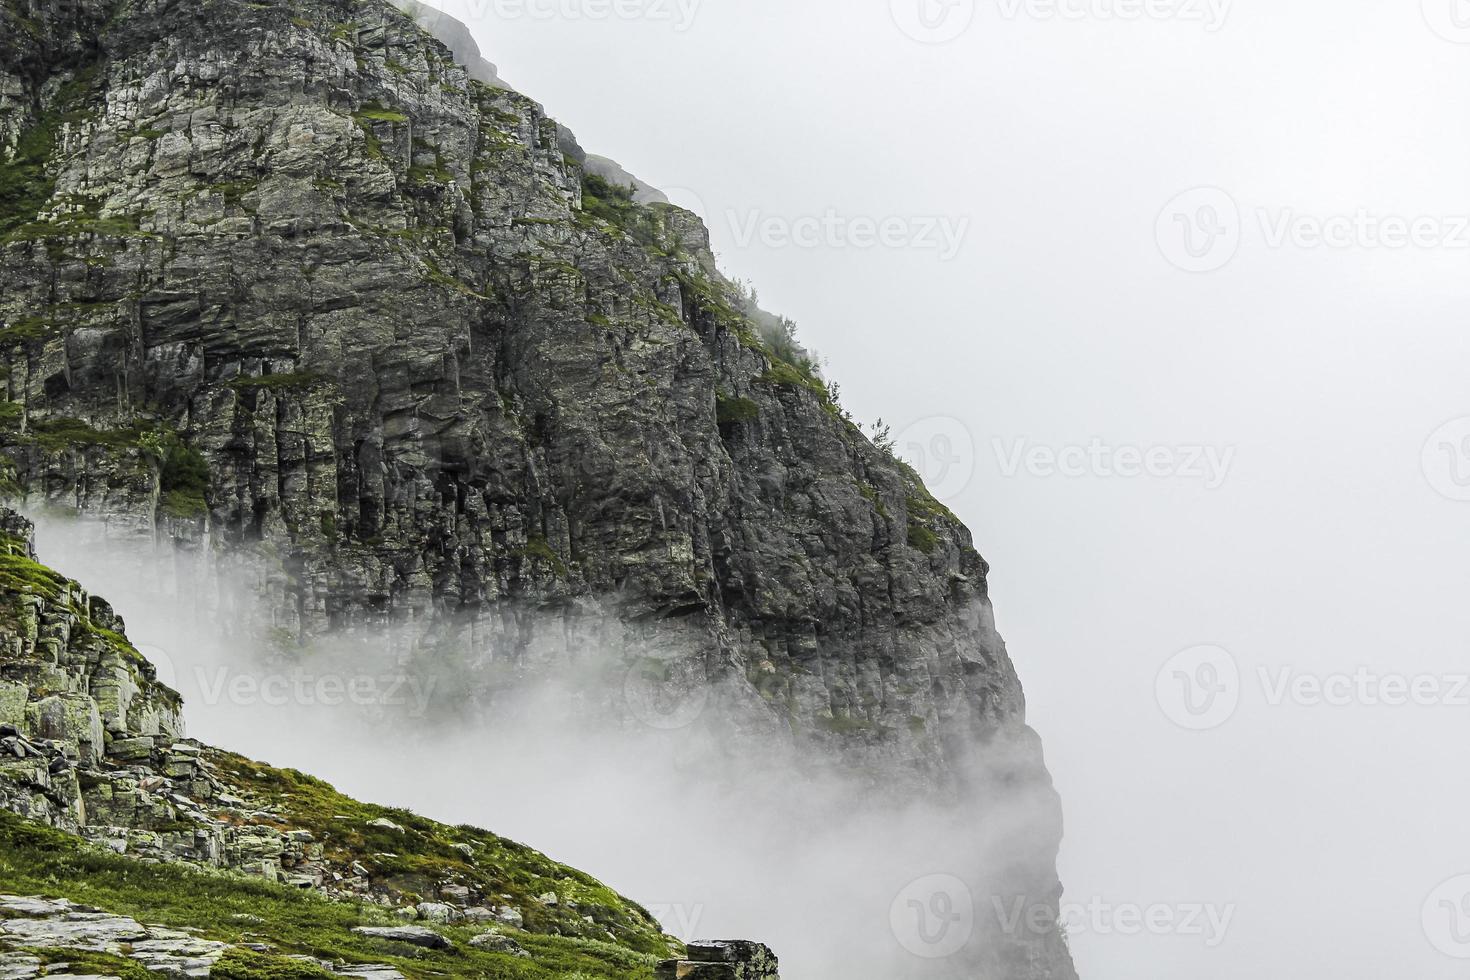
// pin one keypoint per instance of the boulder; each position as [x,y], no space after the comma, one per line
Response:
[438,912]
[496,943]
[413,935]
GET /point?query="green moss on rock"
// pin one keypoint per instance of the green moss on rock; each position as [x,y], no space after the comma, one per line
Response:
[729,411]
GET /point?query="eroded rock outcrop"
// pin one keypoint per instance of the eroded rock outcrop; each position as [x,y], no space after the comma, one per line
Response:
[722,960]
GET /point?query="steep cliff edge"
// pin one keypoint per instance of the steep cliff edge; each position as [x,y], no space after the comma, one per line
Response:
[285,286]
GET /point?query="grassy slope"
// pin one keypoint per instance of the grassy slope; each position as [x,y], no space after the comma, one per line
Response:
[36,860]
[425,852]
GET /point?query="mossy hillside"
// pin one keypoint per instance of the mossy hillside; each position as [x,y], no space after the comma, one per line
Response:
[235,909]
[426,853]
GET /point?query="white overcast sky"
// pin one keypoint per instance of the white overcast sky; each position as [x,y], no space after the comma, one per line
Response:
[1056,145]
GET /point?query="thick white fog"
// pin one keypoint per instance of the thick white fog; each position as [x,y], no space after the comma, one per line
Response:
[717,837]
[1168,300]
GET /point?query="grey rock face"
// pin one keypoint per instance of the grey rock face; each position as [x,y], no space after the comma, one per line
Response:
[431,382]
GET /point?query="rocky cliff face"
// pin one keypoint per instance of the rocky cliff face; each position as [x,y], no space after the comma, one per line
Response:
[287,287]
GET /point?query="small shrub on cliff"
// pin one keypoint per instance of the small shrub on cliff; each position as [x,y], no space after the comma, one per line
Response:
[731,410]
[183,474]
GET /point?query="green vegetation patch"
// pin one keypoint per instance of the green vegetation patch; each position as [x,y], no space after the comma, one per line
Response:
[183,475]
[72,433]
[278,382]
[729,411]
[26,183]
[922,538]
[232,908]
[433,852]
[374,112]
[82,962]
[925,511]
[538,548]
[783,374]
[20,573]
[611,205]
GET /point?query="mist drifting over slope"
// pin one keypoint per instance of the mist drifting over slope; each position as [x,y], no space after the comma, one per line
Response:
[718,833]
